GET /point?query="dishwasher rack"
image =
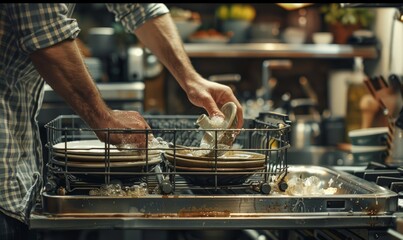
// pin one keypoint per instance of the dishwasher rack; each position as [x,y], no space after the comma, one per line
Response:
[267,135]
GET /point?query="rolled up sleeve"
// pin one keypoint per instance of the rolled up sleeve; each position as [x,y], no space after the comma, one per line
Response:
[133,15]
[40,25]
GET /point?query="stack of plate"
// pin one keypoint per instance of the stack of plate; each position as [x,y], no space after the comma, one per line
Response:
[232,168]
[90,157]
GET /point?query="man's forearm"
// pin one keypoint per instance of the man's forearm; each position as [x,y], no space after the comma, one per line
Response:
[172,54]
[62,67]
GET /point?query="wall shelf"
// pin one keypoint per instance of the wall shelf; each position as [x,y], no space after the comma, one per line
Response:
[279,50]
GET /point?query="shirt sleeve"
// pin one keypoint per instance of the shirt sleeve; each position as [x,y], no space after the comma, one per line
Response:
[40,25]
[133,15]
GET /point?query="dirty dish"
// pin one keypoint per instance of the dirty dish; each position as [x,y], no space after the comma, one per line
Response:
[95,148]
[185,162]
[231,155]
[216,130]
[209,176]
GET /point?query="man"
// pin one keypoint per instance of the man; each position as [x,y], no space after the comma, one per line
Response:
[38,44]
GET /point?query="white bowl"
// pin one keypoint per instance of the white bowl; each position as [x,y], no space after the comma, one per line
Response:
[322,37]
[363,149]
[294,35]
[369,136]
[187,28]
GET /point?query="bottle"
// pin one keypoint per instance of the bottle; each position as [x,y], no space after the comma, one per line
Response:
[355,91]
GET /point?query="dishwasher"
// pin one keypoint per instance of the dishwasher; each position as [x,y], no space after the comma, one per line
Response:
[172,187]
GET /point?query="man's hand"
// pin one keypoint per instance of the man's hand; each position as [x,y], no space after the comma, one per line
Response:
[212,96]
[126,121]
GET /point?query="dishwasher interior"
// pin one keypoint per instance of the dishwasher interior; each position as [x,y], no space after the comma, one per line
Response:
[178,185]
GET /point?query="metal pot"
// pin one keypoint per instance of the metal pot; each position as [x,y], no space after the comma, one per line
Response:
[306,123]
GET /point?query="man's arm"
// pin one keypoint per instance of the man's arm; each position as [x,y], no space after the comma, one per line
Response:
[161,37]
[63,68]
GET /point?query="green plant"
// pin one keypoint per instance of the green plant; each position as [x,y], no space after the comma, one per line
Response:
[334,13]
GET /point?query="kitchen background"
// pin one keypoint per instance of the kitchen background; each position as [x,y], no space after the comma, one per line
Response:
[328,75]
[274,60]
[277,64]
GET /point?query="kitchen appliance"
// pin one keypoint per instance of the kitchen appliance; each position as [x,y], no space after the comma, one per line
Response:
[135,64]
[261,202]
[306,123]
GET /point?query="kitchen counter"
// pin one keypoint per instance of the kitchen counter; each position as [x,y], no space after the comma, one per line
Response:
[280,50]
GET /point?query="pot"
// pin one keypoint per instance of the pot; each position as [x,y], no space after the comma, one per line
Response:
[306,123]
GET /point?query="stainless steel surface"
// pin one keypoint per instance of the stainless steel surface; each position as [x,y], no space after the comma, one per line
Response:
[260,201]
[306,123]
[357,203]
[275,50]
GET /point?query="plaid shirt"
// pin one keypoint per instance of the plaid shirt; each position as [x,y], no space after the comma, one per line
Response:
[25,28]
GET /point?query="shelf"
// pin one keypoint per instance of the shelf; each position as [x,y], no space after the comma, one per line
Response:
[279,50]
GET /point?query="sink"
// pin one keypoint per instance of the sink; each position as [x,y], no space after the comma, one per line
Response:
[319,156]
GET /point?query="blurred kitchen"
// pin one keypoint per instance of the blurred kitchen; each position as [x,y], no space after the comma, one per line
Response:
[308,61]
[286,58]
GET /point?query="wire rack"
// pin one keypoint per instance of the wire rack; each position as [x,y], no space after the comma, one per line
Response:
[266,136]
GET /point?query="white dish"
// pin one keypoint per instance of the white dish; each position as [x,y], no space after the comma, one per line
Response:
[102,158]
[199,169]
[322,37]
[368,131]
[184,162]
[228,156]
[102,165]
[362,149]
[94,148]
[225,138]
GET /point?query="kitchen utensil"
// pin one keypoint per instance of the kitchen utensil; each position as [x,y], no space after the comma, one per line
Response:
[377,87]
[306,126]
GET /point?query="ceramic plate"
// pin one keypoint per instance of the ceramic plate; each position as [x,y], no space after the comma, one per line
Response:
[228,156]
[92,147]
[92,165]
[183,162]
[97,172]
[213,179]
[102,158]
